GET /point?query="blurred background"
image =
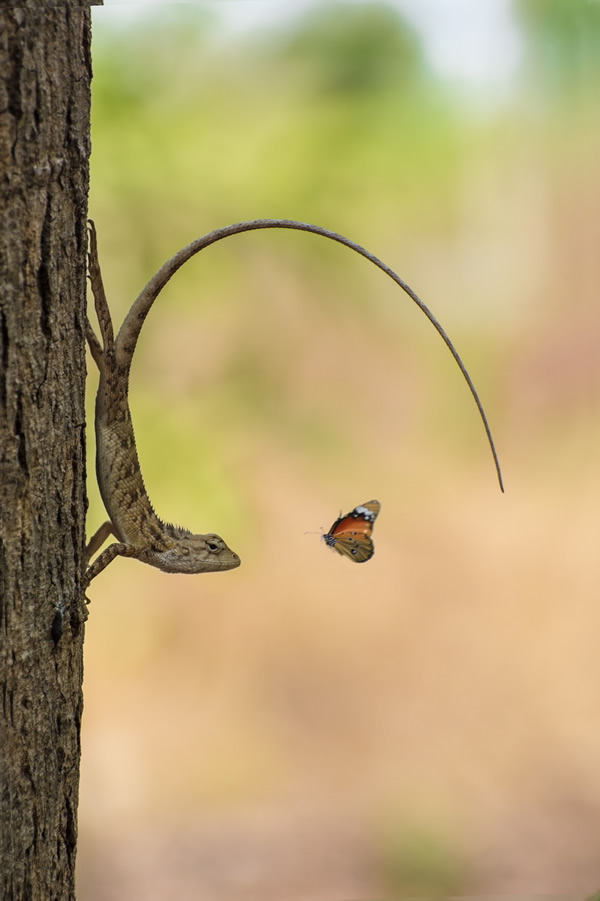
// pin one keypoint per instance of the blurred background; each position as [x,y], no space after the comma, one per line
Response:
[427,724]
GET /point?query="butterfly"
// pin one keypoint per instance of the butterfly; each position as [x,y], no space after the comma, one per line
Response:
[350,535]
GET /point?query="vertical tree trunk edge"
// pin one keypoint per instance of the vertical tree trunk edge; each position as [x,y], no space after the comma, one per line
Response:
[45,75]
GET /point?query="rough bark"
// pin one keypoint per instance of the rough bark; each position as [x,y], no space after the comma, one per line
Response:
[45,77]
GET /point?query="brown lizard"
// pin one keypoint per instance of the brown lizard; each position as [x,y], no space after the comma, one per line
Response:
[140,532]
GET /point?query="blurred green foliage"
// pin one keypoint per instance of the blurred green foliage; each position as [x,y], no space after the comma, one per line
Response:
[335,125]
[322,120]
[563,38]
[335,118]
[354,52]
[420,862]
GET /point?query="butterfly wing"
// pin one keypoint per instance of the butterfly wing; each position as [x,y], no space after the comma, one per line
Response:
[350,535]
[368,511]
[358,548]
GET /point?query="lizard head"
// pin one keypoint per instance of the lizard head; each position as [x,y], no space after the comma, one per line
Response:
[195,554]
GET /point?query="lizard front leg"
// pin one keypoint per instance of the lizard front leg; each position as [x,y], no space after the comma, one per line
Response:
[117,549]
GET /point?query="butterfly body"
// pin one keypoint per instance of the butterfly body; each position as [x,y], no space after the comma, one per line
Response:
[350,535]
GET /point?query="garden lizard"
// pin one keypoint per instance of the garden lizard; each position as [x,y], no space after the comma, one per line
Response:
[140,532]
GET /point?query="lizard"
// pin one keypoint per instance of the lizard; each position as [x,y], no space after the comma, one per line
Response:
[140,532]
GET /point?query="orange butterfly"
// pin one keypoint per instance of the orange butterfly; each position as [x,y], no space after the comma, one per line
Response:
[350,535]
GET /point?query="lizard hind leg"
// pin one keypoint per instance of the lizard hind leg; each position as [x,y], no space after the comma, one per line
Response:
[100,302]
[94,345]
[98,539]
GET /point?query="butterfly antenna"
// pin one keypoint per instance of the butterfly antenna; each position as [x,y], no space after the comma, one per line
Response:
[130,329]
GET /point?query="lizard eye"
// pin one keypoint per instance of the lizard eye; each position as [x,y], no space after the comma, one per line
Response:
[213,546]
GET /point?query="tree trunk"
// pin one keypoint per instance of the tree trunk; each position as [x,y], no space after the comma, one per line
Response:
[44,147]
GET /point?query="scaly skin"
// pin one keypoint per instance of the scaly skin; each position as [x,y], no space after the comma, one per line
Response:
[140,532]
